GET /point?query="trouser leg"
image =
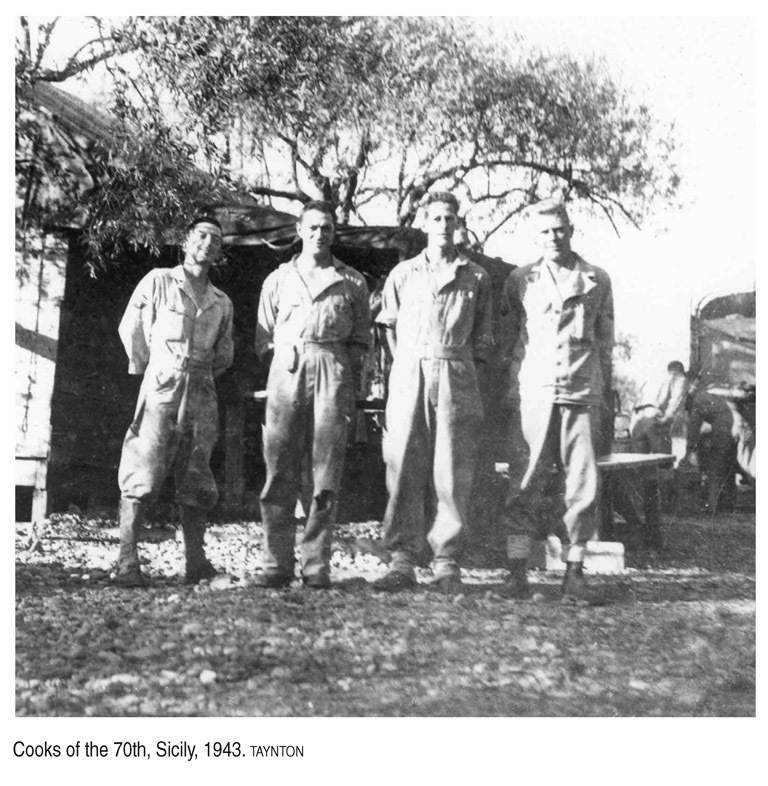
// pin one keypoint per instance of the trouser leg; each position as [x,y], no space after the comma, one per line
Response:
[285,444]
[407,453]
[582,478]
[458,419]
[132,514]
[193,526]
[534,495]
[332,398]
[195,484]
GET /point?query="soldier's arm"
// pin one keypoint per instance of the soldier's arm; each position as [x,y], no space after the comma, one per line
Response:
[512,317]
[224,350]
[136,325]
[266,317]
[482,334]
[390,306]
[604,338]
[360,339]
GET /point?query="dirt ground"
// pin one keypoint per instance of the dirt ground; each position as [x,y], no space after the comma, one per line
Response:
[678,638]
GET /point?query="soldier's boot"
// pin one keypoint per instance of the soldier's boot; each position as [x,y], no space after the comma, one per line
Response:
[516,586]
[576,590]
[193,526]
[131,520]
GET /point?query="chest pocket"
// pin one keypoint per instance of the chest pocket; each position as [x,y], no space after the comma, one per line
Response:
[170,324]
[334,316]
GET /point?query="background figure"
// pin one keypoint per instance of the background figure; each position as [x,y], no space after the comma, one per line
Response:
[436,311]
[722,441]
[314,330]
[560,337]
[177,331]
[662,427]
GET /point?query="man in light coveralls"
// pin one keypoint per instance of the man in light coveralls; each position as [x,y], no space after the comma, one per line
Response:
[436,312]
[314,328]
[177,332]
[559,332]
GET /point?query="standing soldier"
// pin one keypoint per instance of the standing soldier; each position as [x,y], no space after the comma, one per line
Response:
[436,311]
[177,331]
[560,332]
[314,328]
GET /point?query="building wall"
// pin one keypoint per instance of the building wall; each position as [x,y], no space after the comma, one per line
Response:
[40,280]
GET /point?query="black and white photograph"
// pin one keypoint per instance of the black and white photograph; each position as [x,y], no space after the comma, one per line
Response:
[384,367]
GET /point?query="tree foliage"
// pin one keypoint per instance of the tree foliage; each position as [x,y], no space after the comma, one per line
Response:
[368,113]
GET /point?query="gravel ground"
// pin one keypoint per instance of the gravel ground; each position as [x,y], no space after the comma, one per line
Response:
[678,638]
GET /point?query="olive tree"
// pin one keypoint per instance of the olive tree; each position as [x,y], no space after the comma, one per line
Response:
[368,113]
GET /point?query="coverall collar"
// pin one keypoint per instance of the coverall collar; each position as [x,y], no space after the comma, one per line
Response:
[209,294]
[449,274]
[582,282]
[328,277]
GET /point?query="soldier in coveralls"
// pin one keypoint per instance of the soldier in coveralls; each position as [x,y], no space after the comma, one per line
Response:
[314,328]
[559,329]
[177,332]
[436,311]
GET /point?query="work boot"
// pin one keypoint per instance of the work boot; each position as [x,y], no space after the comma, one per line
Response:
[575,588]
[131,521]
[448,584]
[272,579]
[395,580]
[317,581]
[516,586]
[193,526]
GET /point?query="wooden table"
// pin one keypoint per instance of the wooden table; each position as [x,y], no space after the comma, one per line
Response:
[631,489]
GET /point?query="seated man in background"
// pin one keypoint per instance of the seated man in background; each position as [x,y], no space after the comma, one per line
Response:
[661,427]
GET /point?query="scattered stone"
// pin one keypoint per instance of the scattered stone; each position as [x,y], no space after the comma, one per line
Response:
[207,676]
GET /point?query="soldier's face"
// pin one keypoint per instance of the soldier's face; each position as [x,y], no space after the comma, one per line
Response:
[554,234]
[440,222]
[316,231]
[202,247]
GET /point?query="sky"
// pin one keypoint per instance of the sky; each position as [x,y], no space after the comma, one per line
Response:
[698,73]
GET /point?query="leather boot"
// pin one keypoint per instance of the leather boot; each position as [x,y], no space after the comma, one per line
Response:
[131,520]
[193,526]
[516,586]
[575,588]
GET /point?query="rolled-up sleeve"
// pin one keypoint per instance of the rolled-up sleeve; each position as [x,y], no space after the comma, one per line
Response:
[136,325]
[390,300]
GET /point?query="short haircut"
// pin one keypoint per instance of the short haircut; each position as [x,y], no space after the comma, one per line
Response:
[204,218]
[320,207]
[549,207]
[676,365]
[442,197]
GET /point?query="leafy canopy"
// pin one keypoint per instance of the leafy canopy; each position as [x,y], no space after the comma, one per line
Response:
[368,113]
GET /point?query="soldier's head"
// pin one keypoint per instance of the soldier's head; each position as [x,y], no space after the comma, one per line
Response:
[553,229]
[202,246]
[441,218]
[676,367]
[315,227]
